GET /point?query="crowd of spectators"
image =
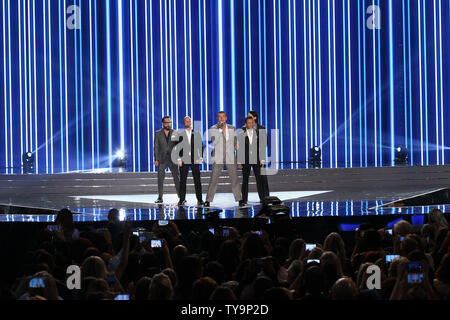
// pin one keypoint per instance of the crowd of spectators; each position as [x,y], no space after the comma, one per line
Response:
[119,262]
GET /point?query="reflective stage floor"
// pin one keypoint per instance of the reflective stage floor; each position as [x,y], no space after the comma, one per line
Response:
[343,193]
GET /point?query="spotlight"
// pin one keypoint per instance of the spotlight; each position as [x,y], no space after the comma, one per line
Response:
[28,163]
[401,156]
[122,215]
[315,157]
[120,161]
[120,154]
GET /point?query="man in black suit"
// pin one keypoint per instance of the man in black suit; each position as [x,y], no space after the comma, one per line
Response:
[190,153]
[251,155]
[163,145]
[262,138]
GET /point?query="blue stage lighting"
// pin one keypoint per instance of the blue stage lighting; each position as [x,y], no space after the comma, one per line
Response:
[28,163]
[120,161]
[401,155]
[315,157]
[120,154]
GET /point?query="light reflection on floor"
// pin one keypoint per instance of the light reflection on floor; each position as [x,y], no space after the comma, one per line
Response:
[221,200]
[298,210]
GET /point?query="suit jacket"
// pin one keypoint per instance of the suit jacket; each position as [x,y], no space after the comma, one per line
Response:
[189,153]
[216,134]
[162,149]
[262,136]
[252,153]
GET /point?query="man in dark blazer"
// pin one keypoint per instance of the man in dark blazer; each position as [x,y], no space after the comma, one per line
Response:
[262,137]
[251,155]
[163,145]
[190,153]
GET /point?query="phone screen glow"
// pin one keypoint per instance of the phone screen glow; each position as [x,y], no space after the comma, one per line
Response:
[53,227]
[390,257]
[313,260]
[415,277]
[156,243]
[37,283]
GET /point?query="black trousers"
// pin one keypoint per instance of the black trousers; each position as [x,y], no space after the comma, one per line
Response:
[162,173]
[265,186]
[246,168]
[184,170]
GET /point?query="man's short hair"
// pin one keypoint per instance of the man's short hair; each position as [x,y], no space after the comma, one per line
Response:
[254,114]
[186,118]
[402,228]
[166,117]
[113,215]
[221,112]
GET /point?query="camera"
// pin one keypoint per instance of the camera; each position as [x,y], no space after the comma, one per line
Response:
[143,234]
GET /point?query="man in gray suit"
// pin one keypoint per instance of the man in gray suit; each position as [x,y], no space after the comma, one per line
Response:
[224,138]
[164,142]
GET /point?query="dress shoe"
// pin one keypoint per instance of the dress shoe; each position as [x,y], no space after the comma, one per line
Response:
[181,202]
[200,203]
[242,203]
[159,200]
[206,204]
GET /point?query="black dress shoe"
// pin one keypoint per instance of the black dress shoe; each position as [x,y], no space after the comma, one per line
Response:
[206,204]
[242,203]
[159,200]
[200,203]
[181,203]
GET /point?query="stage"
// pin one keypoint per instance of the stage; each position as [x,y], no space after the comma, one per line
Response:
[343,192]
